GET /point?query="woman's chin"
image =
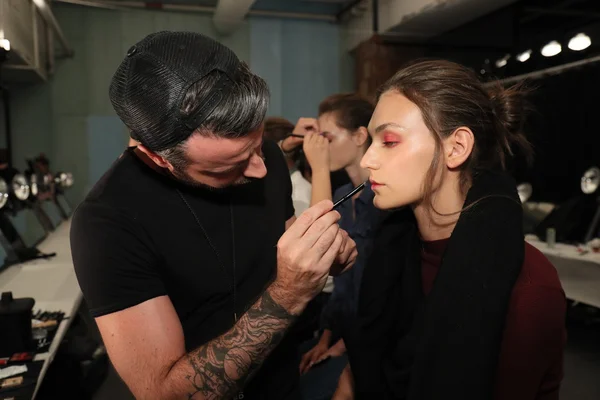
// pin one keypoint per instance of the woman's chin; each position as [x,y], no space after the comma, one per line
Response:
[387,203]
[379,202]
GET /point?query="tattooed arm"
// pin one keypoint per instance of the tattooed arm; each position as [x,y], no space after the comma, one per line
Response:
[146,346]
[224,364]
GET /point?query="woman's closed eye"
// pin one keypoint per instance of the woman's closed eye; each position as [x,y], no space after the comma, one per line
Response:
[390,140]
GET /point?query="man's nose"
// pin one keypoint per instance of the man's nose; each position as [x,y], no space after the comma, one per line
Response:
[256,168]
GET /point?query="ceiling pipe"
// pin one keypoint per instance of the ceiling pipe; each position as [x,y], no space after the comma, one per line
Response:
[130,5]
[230,14]
[292,15]
[88,3]
[394,40]
[346,9]
[544,72]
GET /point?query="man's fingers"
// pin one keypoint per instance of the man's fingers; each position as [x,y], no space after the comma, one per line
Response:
[322,233]
[308,217]
[324,242]
[333,251]
[345,244]
[319,227]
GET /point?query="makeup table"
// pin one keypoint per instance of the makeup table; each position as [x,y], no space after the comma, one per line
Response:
[53,285]
[579,272]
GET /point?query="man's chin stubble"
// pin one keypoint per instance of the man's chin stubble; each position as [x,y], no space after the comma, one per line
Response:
[186,180]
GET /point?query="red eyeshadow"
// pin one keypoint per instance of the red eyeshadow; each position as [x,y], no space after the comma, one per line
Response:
[389,137]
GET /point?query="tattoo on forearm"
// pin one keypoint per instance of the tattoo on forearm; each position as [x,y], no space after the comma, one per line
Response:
[222,366]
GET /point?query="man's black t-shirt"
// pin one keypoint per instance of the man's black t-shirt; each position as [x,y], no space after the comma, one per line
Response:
[135,238]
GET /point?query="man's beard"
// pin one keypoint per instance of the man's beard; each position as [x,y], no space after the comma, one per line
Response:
[182,177]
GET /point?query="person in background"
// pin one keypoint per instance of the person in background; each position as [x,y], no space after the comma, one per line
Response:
[337,178]
[277,129]
[337,141]
[453,303]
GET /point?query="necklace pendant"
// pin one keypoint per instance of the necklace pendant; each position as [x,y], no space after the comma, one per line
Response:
[239,396]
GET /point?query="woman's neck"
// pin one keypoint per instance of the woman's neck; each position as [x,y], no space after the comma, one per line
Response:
[434,222]
[357,174]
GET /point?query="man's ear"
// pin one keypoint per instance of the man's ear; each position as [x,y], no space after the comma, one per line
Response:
[360,136]
[458,147]
[158,160]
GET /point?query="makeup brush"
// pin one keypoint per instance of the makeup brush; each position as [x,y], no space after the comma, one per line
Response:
[349,195]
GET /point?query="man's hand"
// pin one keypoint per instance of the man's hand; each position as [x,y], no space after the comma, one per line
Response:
[305,254]
[316,150]
[346,257]
[312,356]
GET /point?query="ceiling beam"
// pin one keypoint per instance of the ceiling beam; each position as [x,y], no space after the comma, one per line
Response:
[128,4]
[562,5]
[566,13]
[229,14]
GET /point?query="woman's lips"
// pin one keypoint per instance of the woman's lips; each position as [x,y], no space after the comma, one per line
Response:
[375,184]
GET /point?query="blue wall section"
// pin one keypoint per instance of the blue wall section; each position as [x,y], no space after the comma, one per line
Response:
[107,138]
[299,59]
[266,58]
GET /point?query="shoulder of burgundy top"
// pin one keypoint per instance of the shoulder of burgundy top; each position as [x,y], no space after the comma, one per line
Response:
[531,357]
[537,269]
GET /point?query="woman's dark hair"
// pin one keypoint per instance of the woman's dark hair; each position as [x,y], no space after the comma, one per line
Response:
[277,128]
[240,113]
[451,96]
[350,109]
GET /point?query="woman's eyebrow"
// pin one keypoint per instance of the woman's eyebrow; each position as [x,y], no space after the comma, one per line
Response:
[383,127]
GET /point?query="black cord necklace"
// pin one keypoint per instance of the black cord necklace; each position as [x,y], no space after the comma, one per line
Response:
[214,249]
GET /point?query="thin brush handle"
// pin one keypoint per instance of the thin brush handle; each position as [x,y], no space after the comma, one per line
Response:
[349,195]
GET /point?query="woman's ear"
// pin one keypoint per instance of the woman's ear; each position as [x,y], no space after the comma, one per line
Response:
[458,147]
[360,136]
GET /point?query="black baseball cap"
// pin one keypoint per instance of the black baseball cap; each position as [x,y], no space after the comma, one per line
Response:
[150,84]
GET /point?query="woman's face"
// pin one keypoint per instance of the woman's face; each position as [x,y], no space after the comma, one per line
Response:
[401,152]
[344,149]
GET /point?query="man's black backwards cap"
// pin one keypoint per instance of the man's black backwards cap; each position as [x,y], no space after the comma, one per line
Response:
[150,84]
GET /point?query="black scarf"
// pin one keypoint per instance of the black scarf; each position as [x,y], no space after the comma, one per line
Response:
[406,346]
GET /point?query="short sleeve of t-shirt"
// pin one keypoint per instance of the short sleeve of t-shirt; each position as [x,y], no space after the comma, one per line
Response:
[114,260]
